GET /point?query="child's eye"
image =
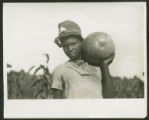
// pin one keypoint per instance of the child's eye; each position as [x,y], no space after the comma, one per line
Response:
[64,45]
[74,43]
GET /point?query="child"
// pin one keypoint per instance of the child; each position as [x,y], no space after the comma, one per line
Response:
[76,78]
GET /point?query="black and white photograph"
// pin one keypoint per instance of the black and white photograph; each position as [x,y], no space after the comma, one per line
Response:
[82,59]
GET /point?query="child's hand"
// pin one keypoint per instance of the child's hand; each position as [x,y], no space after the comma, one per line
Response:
[109,60]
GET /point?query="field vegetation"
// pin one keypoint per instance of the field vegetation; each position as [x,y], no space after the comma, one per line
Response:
[23,85]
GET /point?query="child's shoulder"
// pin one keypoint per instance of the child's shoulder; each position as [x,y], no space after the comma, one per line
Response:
[60,67]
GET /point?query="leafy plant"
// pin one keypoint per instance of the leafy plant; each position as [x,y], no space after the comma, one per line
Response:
[23,85]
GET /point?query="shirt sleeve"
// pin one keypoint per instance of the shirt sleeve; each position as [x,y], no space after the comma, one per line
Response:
[56,80]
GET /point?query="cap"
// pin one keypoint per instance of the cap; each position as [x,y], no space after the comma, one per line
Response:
[67,28]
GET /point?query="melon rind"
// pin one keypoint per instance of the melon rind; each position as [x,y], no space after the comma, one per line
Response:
[97,46]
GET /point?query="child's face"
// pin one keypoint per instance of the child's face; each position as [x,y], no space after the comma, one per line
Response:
[72,48]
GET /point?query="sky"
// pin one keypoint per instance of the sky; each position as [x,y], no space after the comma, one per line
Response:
[29,30]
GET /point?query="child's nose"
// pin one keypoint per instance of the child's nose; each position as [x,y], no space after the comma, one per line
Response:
[70,48]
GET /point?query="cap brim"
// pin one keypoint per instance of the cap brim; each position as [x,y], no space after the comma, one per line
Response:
[57,41]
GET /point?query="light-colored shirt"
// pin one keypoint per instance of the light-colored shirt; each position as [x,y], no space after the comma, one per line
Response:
[78,80]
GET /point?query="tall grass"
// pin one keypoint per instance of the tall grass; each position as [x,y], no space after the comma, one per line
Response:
[22,85]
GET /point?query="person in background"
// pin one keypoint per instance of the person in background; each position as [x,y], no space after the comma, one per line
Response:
[76,78]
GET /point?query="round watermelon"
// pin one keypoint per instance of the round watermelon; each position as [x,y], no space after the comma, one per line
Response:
[97,47]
